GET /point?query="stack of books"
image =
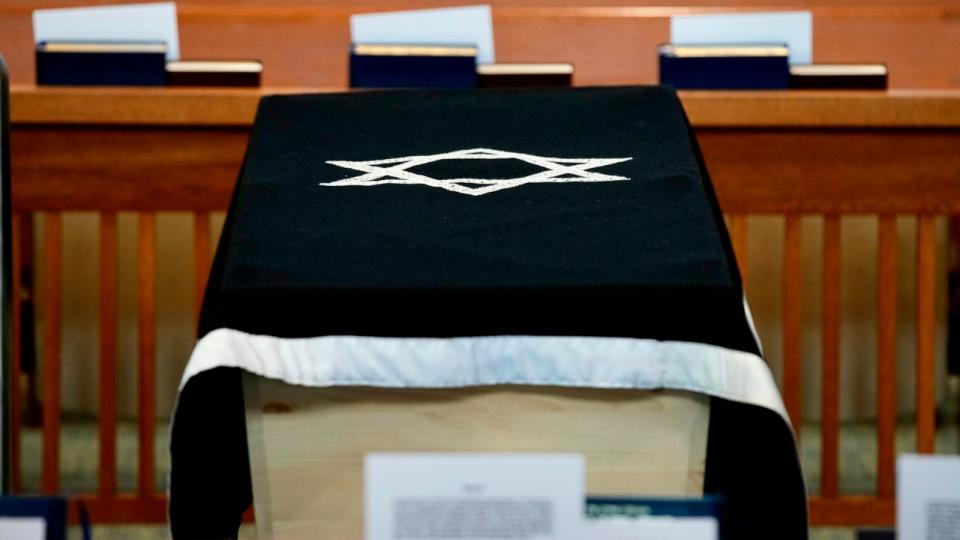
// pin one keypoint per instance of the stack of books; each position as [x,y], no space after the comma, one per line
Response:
[725,67]
[134,63]
[758,66]
[378,65]
[100,63]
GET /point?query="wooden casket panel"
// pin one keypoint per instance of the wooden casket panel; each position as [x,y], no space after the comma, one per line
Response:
[307,445]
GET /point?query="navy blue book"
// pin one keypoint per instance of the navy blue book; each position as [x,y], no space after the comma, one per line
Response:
[102,64]
[52,510]
[725,67]
[413,66]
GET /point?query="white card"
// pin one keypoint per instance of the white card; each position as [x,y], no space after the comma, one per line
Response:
[928,497]
[652,528]
[469,25]
[131,22]
[795,28]
[476,496]
[23,528]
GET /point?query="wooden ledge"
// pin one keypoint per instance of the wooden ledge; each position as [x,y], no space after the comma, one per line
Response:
[707,109]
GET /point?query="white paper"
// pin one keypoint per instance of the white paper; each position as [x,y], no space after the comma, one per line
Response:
[476,496]
[469,25]
[23,528]
[131,22]
[651,528]
[928,497]
[795,28]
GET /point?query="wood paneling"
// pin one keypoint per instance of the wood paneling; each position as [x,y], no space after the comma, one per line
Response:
[755,171]
[144,169]
[774,171]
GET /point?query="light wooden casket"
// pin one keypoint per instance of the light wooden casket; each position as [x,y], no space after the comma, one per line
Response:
[307,445]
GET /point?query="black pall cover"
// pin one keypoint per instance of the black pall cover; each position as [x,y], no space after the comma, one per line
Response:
[483,215]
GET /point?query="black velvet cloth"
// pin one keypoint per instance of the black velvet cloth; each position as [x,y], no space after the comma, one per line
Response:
[645,257]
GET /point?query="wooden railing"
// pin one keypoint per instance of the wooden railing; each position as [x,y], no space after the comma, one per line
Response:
[853,168]
[789,154]
[106,505]
[829,507]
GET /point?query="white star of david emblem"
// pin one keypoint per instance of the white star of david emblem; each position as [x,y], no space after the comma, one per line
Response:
[397,171]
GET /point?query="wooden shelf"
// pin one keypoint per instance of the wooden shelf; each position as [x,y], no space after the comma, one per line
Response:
[707,109]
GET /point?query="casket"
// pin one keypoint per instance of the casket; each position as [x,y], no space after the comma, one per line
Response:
[526,271]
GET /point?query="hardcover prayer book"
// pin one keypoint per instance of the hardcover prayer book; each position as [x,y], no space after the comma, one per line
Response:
[419,241]
[377,65]
[746,66]
[101,63]
[237,73]
[839,77]
[521,75]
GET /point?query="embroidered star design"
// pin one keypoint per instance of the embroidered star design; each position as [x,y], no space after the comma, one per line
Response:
[397,171]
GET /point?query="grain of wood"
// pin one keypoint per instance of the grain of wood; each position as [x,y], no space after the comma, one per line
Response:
[315,436]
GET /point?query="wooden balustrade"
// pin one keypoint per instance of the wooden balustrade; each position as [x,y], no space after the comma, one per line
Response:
[829,507]
[808,155]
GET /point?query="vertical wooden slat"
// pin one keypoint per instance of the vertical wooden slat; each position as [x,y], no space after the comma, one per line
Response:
[146,324]
[201,259]
[926,334]
[738,237]
[886,355]
[792,318]
[52,239]
[16,412]
[830,374]
[108,355]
